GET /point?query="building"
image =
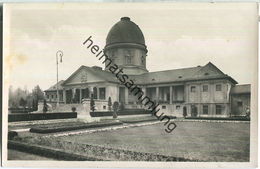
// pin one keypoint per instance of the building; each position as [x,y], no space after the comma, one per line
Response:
[240,100]
[199,91]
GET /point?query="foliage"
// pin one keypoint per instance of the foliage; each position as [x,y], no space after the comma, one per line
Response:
[23,102]
[115,108]
[31,98]
[73,109]
[109,104]
[45,106]
[92,103]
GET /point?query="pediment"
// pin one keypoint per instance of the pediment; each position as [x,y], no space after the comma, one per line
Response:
[83,75]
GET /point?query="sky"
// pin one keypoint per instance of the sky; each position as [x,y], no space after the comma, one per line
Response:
[177,35]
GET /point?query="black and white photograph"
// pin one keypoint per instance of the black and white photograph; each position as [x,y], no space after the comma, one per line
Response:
[130,84]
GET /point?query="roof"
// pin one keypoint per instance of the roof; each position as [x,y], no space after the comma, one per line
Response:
[105,75]
[209,71]
[125,31]
[54,87]
[241,89]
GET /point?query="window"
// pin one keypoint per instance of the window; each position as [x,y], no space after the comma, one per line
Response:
[94,93]
[205,109]
[205,88]
[104,107]
[47,96]
[143,60]
[128,57]
[52,96]
[239,103]
[178,107]
[193,89]
[163,107]
[102,93]
[218,109]
[218,87]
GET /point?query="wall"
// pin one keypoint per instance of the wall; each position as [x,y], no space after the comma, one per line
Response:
[240,110]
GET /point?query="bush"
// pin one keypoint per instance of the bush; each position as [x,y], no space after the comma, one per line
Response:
[12,134]
[92,103]
[73,109]
[45,106]
[115,108]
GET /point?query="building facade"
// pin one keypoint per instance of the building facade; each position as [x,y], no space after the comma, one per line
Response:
[197,91]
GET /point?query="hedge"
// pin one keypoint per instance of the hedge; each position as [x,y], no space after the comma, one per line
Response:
[20,110]
[49,152]
[53,129]
[40,116]
[241,118]
[120,112]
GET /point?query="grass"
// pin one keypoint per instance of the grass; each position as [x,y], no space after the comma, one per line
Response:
[193,140]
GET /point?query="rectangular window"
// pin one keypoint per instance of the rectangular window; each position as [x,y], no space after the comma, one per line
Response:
[218,109]
[193,89]
[163,107]
[218,87]
[52,96]
[205,88]
[205,109]
[178,107]
[102,93]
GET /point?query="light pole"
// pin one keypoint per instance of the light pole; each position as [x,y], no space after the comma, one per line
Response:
[59,53]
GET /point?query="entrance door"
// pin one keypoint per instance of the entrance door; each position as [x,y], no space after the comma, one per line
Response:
[194,111]
[122,94]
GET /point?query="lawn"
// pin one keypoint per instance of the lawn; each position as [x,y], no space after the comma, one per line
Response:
[193,140]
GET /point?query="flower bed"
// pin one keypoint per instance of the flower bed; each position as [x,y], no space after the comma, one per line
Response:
[100,152]
[71,126]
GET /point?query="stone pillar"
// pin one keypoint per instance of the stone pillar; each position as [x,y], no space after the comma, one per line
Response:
[170,94]
[64,96]
[126,95]
[157,94]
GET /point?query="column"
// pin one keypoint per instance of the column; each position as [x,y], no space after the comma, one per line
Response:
[64,96]
[144,91]
[126,95]
[157,94]
[170,94]
[80,95]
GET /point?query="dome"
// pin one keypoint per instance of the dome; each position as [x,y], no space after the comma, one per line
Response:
[125,31]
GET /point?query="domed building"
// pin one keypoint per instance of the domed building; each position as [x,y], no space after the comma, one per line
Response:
[125,45]
[194,91]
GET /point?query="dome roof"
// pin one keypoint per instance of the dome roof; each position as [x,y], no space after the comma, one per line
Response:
[125,31]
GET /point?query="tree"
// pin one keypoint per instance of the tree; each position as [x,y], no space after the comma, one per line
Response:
[45,106]
[92,103]
[115,108]
[109,104]
[22,102]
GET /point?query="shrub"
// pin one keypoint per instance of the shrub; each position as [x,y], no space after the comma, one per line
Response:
[45,106]
[73,109]
[109,104]
[12,134]
[115,108]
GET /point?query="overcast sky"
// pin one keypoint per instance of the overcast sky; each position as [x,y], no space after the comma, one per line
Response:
[177,35]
